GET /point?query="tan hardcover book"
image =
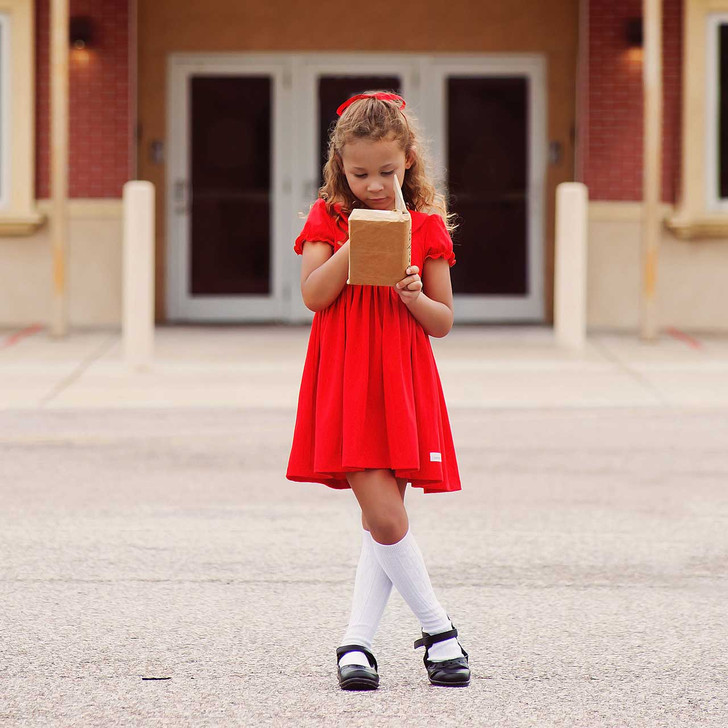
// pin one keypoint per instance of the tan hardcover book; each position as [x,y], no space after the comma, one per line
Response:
[380,243]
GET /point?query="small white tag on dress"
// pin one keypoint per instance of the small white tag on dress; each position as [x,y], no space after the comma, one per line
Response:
[435,457]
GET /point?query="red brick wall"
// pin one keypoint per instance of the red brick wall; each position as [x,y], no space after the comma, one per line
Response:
[613,164]
[99,103]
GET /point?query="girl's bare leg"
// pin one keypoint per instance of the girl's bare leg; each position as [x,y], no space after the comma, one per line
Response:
[382,504]
[402,485]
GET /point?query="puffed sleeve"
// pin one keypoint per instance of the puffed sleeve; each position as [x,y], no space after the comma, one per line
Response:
[319,227]
[438,243]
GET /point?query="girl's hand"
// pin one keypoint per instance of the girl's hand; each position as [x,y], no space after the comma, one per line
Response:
[409,288]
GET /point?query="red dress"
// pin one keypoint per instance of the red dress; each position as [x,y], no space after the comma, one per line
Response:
[370,392]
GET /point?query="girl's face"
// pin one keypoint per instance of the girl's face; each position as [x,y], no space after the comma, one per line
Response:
[370,167]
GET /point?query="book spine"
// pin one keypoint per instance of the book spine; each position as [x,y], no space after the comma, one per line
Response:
[409,246]
[348,277]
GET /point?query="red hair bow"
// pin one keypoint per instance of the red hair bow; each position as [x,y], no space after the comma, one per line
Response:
[378,95]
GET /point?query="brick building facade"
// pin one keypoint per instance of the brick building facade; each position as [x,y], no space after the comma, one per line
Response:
[581,97]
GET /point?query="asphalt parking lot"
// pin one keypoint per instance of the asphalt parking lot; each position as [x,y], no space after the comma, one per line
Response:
[157,569]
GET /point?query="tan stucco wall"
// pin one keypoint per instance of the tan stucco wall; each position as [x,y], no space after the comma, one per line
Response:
[94,271]
[430,26]
[692,294]
[691,284]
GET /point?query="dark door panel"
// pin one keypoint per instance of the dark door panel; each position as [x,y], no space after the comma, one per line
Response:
[487,169]
[230,185]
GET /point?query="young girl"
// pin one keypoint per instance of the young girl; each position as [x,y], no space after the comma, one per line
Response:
[371,413]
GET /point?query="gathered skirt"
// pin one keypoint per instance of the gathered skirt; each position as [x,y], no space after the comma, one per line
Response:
[371,397]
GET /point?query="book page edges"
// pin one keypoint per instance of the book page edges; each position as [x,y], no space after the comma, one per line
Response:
[399,204]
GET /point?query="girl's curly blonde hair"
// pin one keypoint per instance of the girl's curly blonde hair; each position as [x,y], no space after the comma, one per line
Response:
[375,119]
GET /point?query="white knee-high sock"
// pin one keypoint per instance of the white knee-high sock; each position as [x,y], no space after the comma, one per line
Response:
[372,588]
[404,565]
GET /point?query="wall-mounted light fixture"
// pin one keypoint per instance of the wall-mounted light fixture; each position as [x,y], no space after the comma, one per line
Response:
[81,32]
[633,32]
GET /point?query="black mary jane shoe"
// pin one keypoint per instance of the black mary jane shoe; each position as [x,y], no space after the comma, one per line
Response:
[453,673]
[357,677]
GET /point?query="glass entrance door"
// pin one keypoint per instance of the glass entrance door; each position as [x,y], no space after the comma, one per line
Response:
[227,197]
[484,121]
[489,127]
[322,83]
[248,138]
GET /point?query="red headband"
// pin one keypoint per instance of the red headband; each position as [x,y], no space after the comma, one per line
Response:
[378,95]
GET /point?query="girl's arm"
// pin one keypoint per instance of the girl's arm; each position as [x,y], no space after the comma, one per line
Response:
[323,274]
[433,309]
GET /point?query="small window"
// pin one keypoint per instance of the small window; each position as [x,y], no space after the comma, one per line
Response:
[18,213]
[4,108]
[716,116]
[723,111]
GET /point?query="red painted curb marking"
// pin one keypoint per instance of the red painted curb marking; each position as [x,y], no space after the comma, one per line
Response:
[20,335]
[686,338]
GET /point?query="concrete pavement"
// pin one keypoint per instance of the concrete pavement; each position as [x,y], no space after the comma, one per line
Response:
[146,531]
[261,367]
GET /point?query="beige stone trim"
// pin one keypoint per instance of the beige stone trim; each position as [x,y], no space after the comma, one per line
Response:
[715,226]
[706,227]
[88,208]
[19,225]
[692,219]
[622,211]
[19,216]
[80,209]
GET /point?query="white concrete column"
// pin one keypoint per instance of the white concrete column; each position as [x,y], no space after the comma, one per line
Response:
[59,164]
[138,284]
[570,265]
[652,164]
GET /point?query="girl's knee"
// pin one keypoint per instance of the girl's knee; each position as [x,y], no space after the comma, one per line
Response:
[382,506]
[388,528]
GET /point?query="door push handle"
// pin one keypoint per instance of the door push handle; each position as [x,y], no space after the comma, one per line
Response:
[180,196]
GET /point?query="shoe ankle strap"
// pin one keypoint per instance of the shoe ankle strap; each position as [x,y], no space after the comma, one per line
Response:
[430,639]
[345,649]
